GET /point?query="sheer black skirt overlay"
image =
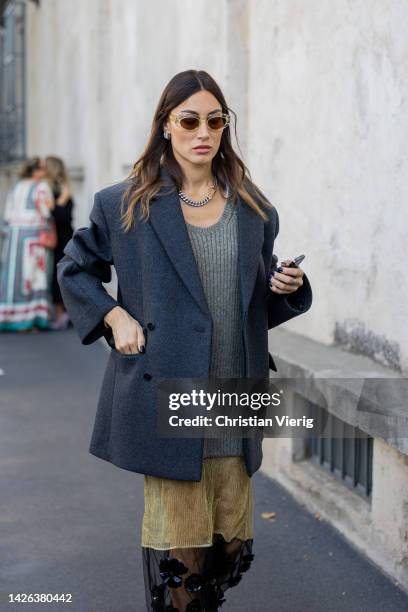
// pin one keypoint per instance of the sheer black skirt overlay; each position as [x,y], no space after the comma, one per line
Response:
[194,579]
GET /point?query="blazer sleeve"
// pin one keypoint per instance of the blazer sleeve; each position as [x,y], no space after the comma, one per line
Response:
[282,308]
[86,264]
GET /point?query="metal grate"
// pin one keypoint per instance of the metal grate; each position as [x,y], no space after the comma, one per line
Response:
[12,81]
[347,453]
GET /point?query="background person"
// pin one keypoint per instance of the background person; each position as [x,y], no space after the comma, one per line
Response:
[25,300]
[62,214]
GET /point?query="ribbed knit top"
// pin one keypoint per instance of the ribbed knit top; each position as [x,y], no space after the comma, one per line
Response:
[216,252]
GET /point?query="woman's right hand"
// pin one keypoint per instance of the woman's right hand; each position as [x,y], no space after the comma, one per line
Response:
[127,331]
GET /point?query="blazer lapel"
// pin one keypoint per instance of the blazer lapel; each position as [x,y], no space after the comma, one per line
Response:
[168,222]
[250,242]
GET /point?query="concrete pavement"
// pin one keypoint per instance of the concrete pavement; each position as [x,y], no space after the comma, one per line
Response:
[70,523]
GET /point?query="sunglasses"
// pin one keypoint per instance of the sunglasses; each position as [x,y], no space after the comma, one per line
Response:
[192,122]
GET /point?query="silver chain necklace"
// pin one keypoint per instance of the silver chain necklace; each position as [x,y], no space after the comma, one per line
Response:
[205,200]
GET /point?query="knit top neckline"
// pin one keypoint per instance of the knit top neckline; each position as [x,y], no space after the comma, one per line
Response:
[226,215]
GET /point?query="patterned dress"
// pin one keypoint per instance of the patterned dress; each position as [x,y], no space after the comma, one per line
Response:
[25,265]
[197,536]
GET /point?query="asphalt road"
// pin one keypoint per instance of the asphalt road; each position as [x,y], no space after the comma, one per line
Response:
[70,522]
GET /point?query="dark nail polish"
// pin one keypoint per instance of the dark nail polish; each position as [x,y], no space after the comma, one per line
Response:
[142,349]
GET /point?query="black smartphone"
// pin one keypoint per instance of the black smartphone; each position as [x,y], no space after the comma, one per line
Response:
[296,261]
[293,264]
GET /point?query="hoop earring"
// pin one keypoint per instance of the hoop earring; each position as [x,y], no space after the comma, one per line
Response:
[166,135]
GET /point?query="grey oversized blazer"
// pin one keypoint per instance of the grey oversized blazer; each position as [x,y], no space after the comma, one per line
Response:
[160,286]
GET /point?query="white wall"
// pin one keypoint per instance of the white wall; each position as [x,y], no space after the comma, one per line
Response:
[328,127]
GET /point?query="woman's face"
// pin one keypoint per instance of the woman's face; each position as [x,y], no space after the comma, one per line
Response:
[40,172]
[184,141]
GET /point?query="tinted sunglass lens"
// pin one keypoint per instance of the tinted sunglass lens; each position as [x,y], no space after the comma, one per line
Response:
[216,123]
[189,123]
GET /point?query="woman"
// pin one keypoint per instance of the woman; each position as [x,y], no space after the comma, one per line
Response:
[191,238]
[25,303]
[62,214]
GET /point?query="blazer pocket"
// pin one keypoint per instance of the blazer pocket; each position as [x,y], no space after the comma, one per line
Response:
[127,355]
[272,364]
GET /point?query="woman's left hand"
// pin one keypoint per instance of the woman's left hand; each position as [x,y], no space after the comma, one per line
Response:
[287,281]
[65,196]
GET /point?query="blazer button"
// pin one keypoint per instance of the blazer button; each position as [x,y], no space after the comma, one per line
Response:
[151,326]
[147,376]
[199,328]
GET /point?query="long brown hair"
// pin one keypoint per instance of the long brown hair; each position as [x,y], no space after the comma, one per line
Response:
[29,166]
[227,167]
[57,173]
